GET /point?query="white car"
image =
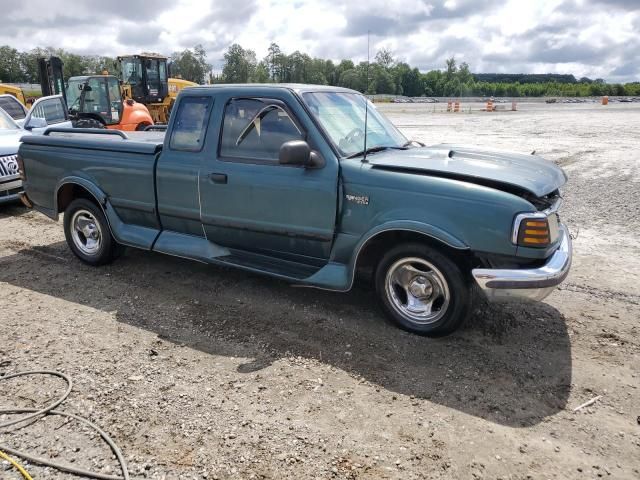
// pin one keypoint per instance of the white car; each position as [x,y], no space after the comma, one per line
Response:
[45,112]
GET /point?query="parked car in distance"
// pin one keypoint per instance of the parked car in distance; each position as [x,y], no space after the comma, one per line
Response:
[282,180]
[45,112]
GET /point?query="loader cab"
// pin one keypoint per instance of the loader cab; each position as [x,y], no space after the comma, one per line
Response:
[95,97]
[147,77]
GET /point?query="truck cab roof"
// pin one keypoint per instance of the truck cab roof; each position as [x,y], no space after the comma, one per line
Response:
[295,87]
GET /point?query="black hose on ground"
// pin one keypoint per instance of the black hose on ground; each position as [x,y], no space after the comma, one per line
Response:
[50,410]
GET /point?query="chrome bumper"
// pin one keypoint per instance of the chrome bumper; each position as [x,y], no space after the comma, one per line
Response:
[534,284]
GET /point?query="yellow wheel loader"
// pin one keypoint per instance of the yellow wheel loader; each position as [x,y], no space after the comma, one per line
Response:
[145,79]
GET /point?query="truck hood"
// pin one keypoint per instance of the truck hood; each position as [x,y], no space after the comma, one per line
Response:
[512,172]
[10,141]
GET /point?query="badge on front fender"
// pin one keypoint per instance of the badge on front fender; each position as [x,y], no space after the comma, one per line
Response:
[359,199]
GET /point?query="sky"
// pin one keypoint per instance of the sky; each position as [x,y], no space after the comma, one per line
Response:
[593,38]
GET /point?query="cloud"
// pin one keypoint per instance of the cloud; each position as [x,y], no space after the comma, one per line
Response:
[630,5]
[133,35]
[398,18]
[595,38]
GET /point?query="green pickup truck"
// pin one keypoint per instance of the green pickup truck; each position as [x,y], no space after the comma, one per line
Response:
[313,185]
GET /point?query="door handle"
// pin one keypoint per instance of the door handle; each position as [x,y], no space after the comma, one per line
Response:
[218,177]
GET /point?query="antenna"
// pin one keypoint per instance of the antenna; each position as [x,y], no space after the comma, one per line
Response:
[366,100]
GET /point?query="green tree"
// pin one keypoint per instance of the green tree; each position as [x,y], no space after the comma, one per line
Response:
[451,68]
[10,65]
[463,73]
[352,79]
[191,64]
[385,59]
[239,64]
[381,81]
[261,73]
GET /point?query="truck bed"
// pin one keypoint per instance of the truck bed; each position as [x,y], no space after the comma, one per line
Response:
[122,165]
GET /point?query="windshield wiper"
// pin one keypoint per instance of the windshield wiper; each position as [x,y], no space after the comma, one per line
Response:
[379,148]
[411,142]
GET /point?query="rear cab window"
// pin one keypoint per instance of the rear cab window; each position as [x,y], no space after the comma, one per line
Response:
[190,126]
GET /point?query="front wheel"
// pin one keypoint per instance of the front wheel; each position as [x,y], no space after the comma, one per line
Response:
[87,233]
[422,290]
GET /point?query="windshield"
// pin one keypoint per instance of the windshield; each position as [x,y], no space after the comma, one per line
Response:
[6,122]
[342,116]
[73,93]
[131,72]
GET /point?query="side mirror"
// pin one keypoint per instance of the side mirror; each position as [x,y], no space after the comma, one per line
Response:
[298,152]
[36,122]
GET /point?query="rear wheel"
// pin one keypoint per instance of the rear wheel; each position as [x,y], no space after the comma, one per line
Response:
[422,290]
[87,233]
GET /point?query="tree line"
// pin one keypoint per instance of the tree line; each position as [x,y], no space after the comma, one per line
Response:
[22,67]
[386,75]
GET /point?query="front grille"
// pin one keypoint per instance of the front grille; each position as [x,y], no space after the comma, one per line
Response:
[9,165]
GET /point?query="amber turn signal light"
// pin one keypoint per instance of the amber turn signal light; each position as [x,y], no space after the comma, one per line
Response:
[534,233]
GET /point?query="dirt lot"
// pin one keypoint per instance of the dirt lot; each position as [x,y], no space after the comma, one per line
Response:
[203,372]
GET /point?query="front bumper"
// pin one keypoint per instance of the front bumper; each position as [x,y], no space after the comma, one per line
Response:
[533,284]
[10,189]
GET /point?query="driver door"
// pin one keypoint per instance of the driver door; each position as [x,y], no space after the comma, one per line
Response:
[102,98]
[251,202]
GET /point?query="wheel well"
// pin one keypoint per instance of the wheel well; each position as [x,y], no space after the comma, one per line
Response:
[69,192]
[376,247]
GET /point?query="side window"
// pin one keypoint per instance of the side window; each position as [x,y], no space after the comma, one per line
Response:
[255,129]
[13,107]
[52,110]
[163,70]
[190,125]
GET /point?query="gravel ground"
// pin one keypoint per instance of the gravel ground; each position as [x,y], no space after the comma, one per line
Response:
[204,372]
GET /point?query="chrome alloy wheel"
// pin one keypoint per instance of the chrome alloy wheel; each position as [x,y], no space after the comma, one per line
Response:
[417,290]
[86,232]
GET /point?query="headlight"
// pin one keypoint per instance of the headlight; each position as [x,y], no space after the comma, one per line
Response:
[535,229]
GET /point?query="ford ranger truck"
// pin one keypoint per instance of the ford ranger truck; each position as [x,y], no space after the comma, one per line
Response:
[283,180]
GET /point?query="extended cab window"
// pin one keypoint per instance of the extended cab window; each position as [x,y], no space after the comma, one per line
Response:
[255,129]
[190,126]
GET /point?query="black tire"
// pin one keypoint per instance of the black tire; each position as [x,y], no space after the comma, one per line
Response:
[434,278]
[96,248]
[141,127]
[88,123]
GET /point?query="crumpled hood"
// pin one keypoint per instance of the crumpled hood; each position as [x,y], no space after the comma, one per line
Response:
[10,141]
[486,167]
